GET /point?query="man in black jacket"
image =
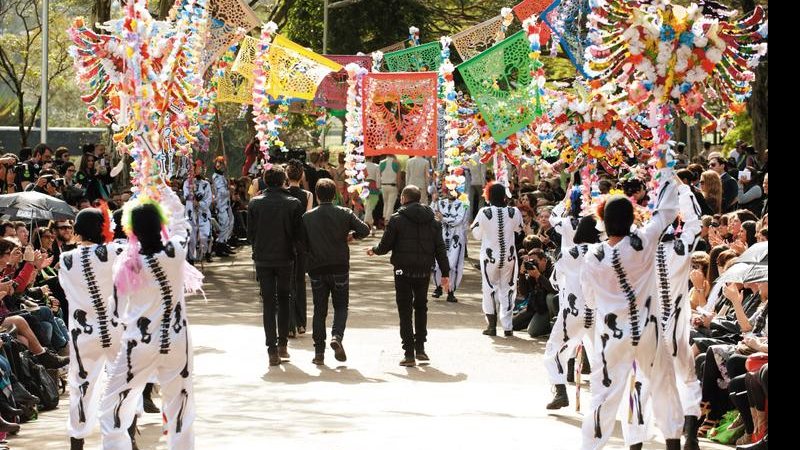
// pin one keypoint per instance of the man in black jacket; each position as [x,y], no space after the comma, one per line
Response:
[273,228]
[327,230]
[415,238]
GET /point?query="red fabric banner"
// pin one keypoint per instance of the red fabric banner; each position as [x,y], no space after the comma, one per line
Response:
[400,113]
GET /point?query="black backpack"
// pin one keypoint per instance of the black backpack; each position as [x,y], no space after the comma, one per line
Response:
[38,382]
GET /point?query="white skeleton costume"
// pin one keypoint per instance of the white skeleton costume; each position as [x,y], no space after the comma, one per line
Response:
[673,264]
[454,233]
[495,226]
[86,277]
[575,321]
[156,341]
[619,282]
[222,200]
[198,211]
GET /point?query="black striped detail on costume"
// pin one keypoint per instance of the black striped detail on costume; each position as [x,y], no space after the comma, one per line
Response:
[633,311]
[663,283]
[501,238]
[96,296]
[166,300]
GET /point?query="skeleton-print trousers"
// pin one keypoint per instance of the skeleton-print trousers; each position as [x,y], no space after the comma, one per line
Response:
[86,368]
[574,324]
[614,355]
[455,255]
[199,240]
[225,219]
[499,287]
[135,364]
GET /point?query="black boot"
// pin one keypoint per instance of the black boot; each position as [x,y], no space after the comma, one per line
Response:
[690,424]
[75,444]
[437,292]
[219,251]
[561,399]
[8,427]
[147,395]
[451,297]
[50,360]
[132,433]
[673,444]
[7,410]
[208,258]
[760,445]
[491,328]
[636,446]
[571,370]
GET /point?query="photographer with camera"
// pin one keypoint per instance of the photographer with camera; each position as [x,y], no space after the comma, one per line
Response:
[750,193]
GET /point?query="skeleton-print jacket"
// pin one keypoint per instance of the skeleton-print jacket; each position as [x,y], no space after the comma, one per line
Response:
[674,259]
[495,227]
[86,277]
[619,281]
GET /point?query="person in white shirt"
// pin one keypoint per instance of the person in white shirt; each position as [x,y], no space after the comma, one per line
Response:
[372,173]
[390,178]
[619,280]
[418,173]
[495,226]
[151,278]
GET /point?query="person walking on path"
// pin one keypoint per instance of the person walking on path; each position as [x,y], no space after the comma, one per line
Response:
[273,228]
[326,232]
[415,239]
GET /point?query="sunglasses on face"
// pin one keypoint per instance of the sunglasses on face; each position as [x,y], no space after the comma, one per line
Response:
[64,227]
[713,165]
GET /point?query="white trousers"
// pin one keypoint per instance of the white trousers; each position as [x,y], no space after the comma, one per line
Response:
[455,256]
[136,362]
[389,199]
[614,355]
[499,286]
[574,324]
[225,219]
[86,378]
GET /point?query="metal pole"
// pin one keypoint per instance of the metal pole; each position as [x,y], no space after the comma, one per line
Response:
[45,39]
[325,28]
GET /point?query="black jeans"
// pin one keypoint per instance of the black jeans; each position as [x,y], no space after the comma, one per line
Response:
[299,301]
[412,293]
[337,287]
[275,281]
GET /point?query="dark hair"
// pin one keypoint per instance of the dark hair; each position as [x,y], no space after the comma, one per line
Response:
[5,225]
[720,160]
[146,224]
[65,167]
[706,145]
[25,153]
[6,245]
[87,148]
[745,214]
[632,186]
[119,233]
[686,175]
[61,151]
[538,253]
[697,170]
[618,216]
[294,170]
[326,190]
[40,149]
[531,242]
[411,194]
[749,227]
[275,177]
[605,183]
[587,232]
[713,270]
[764,232]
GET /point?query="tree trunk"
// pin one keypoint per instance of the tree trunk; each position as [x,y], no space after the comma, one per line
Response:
[164,7]
[758,108]
[23,136]
[101,13]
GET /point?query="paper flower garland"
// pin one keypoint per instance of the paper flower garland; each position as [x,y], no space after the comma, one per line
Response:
[354,134]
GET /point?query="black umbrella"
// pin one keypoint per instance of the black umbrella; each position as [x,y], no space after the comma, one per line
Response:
[32,205]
